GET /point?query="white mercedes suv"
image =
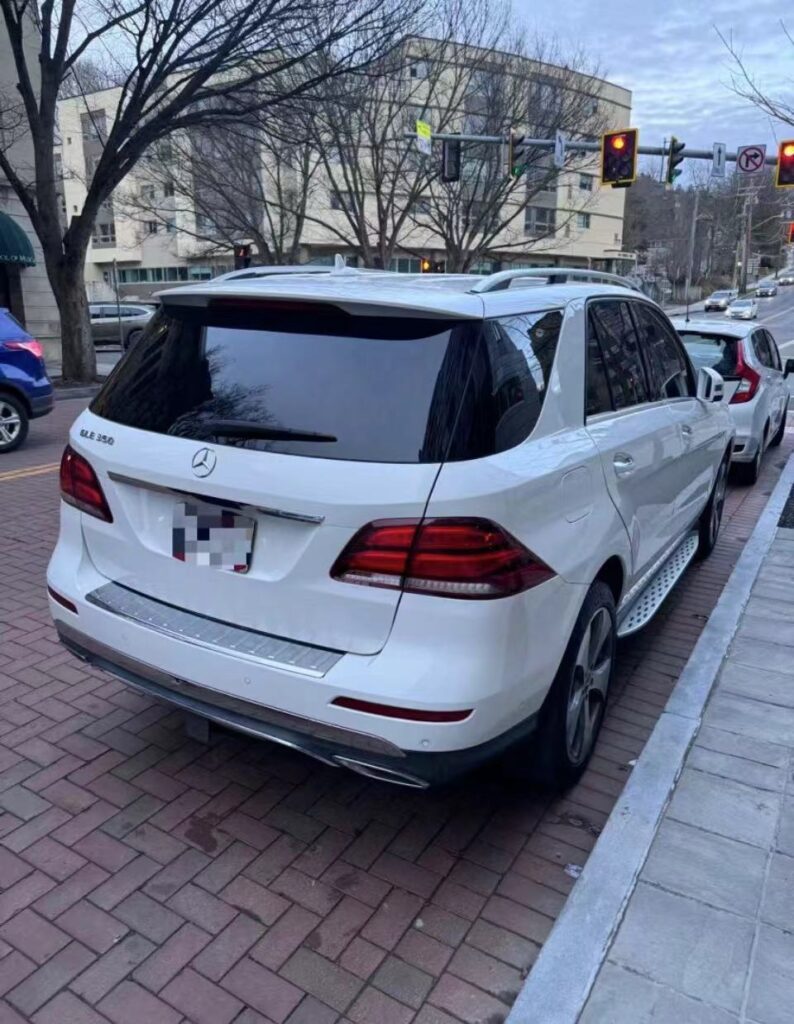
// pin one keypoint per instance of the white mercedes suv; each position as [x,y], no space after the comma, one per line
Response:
[395,522]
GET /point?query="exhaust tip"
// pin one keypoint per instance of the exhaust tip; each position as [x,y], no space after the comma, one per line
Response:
[381,774]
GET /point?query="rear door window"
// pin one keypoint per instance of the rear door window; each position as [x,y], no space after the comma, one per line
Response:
[311,380]
[762,349]
[611,321]
[773,351]
[599,398]
[714,351]
[668,367]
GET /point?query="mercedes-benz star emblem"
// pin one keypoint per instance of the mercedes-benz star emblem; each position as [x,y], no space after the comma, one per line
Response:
[204,461]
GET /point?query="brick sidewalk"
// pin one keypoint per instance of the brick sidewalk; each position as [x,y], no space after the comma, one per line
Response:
[146,876]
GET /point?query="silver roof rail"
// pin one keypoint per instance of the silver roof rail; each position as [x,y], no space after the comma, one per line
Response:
[554,275]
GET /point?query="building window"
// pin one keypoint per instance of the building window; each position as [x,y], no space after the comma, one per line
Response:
[586,182]
[405,265]
[170,225]
[151,227]
[342,201]
[104,234]
[205,225]
[421,206]
[540,220]
[168,189]
[420,69]
[199,273]
[93,126]
[583,221]
[148,192]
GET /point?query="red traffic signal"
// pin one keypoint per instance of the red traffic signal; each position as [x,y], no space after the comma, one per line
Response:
[619,151]
[242,257]
[785,164]
[791,233]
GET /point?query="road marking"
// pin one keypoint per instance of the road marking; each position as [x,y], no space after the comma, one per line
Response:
[18,474]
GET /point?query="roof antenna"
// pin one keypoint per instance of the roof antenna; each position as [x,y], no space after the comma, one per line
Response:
[339,262]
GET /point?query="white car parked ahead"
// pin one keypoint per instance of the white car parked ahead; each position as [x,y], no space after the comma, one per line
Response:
[756,391]
[395,522]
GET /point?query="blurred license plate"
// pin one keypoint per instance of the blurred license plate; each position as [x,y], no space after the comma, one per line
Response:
[213,536]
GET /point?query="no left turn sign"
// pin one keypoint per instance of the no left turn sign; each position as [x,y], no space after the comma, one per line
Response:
[750,158]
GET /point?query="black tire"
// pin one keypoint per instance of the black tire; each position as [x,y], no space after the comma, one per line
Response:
[781,430]
[747,473]
[711,516]
[14,423]
[132,339]
[551,757]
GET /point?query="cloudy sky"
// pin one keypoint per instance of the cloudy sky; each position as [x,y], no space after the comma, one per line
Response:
[669,54]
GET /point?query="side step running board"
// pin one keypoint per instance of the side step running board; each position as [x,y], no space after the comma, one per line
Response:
[647,603]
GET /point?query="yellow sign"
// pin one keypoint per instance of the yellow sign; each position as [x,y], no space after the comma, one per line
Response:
[424,137]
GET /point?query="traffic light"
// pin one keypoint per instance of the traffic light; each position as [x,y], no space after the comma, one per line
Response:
[674,158]
[785,165]
[450,160]
[517,155]
[242,257]
[619,157]
[791,233]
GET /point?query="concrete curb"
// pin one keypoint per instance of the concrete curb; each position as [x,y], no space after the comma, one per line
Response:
[560,981]
[61,394]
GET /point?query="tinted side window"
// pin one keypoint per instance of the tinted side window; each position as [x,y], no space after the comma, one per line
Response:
[520,353]
[664,356]
[598,397]
[762,349]
[773,351]
[625,373]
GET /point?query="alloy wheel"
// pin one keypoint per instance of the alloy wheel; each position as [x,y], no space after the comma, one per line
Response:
[10,424]
[588,693]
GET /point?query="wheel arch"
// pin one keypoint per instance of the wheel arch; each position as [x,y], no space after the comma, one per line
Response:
[18,393]
[613,574]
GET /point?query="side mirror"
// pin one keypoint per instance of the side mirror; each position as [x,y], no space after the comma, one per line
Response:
[710,385]
[788,369]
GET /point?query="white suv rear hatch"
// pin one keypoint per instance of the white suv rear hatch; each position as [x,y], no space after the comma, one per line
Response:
[304,421]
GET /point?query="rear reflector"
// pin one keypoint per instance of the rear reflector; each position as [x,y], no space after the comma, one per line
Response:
[64,602]
[407,714]
[462,558]
[80,486]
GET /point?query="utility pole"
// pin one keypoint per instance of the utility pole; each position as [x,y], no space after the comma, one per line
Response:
[747,243]
[690,260]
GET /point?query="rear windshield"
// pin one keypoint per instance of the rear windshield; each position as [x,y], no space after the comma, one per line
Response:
[721,295]
[319,382]
[716,351]
[741,303]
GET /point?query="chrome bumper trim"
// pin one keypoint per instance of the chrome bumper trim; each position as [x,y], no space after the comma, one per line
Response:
[214,634]
[244,716]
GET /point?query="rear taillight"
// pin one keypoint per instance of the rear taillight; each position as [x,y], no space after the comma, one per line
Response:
[28,345]
[80,486]
[464,558]
[748,379]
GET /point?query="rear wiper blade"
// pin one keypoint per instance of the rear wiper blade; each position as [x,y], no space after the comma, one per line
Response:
[249,429]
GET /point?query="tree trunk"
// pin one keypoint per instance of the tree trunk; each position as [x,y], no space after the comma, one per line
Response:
[77,344]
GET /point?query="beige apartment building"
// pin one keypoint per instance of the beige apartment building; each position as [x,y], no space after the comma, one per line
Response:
[575,222]
[24,288]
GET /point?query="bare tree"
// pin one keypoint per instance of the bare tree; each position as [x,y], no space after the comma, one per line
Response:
[182,64]
[534,91]
[374,179]
[229,184]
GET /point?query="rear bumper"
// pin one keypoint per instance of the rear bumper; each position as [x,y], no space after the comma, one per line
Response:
[359,752]
[41,404]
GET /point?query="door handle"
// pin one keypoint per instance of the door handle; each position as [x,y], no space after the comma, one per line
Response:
[623,463]
[686,430]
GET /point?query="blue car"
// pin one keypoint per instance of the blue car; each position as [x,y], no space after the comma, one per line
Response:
[25,389]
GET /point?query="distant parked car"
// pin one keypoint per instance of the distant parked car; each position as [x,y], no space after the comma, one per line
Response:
[786,278]
[766,291]
[747,358]
[123,324]
[742,309]
[25,389]
[718,301]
